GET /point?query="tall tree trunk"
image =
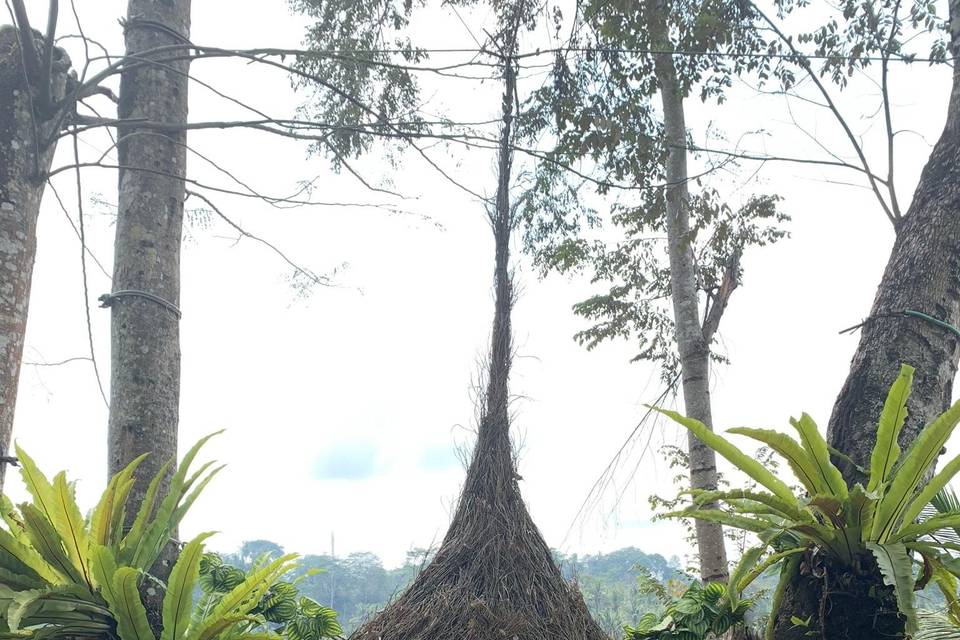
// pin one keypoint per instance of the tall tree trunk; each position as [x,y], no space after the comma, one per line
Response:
[922,274]
[27,144]
[692,344]
[145,332]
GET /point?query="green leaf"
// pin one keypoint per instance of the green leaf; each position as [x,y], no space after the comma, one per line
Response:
[747,562]
[104,567]
[242,598]
[930,525]
[742,461]
[790,510]
[178,601]
[756,525]
[816,448]
[747,578]
[21,558]
[102,516]
[936,484]
[131,541]
[127,609]
[167,515]
[918,459]
[800,463]
[70,525]
[886,452]
[897,570]
[45,539]
[37,484]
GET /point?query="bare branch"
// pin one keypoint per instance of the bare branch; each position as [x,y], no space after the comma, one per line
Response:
[309,274]
[857,146]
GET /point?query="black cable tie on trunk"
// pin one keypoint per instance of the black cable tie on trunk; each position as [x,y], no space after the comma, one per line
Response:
[107,300]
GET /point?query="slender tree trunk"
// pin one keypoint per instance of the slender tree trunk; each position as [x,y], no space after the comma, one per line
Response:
[26,150]
[922,274]
[145,332]
[692,345]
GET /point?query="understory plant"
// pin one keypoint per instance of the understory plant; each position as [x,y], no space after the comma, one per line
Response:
[888,522]
[282,608]
[704,610]
[66,576]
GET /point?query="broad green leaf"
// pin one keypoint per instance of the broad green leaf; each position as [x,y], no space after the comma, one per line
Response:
[242,598]
[70,525]
[178,601]
[938,482]
[103,565]
[163,523]
[102,515]
[45,539]
[19,557]
[187,502]
[19,581]
[37,484]
[756,525]
[127,609]
[928,526]
[948,585]
[897,570]
[218,626]
[748,577]
[131,541]
[918,459]
[11,517]
[886,451]
[816,447]
[800,462]
[742,461]
[858,511]
[746,563]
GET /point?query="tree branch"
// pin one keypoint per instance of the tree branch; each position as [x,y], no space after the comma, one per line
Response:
[731,280]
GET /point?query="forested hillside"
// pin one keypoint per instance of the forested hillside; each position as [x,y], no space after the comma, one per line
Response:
[358,585]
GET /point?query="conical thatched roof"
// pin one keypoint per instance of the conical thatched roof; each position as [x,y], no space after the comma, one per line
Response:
[493,577]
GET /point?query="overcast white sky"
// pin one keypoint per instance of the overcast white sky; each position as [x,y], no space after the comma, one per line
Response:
[343,411]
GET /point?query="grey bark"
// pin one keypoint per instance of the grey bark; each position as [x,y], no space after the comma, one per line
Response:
[692,344]
[27,144]
[145,335]
[922,274]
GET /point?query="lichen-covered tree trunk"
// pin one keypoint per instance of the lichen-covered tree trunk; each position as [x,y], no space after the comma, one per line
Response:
[691,342]
[27,144]
[922,274]
[145,333]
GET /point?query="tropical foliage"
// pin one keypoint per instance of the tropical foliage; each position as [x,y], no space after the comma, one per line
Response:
[282,607]
[66,576]
[885,519]
[704,611]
